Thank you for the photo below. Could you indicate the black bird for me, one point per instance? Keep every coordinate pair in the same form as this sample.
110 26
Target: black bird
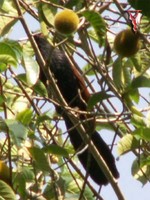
74 91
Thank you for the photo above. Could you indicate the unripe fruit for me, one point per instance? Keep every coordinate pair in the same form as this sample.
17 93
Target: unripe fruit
66 22
54 159
126 43
4 172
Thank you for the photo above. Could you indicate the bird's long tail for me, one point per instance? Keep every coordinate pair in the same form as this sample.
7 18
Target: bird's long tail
86 158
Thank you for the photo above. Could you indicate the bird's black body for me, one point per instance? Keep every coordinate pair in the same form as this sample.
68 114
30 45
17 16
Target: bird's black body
69 84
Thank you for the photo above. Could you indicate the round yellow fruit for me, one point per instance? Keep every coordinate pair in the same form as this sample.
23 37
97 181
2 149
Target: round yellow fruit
4 172
54 159
126 43
66 22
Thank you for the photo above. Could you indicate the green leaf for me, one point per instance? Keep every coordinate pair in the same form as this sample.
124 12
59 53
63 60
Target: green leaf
6 59
50 189
102 126
97 22
143 61
6 192
117 72
49 12
32 69
42 118
22 77
20 184
141 81
57 150
147 120
137 121
145 161
72 3
40 159
93 35
141 169
3 66
16 103
143 133
27 174
136 60
121 74
128 98
127 143
10 53
3 126
25 116
88 70
8 6
21 178
143 28
2 99
15 46
97 98
134 94
144 6
8 25
136 111
18 131
130 95
74 191
40 89
126 76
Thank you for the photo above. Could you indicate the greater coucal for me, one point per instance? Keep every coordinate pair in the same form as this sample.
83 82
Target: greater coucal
74 91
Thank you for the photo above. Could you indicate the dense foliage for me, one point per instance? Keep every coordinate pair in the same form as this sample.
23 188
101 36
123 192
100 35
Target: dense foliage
33 140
